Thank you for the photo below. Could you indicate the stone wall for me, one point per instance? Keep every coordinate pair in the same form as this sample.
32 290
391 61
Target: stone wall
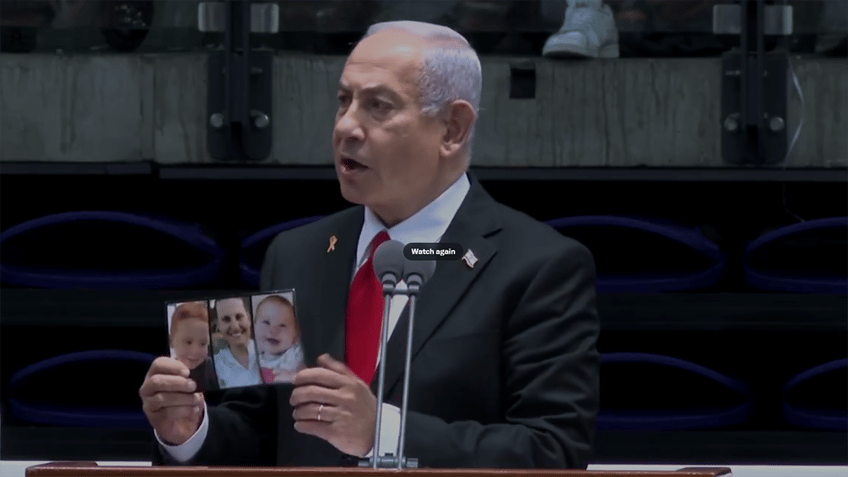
616 113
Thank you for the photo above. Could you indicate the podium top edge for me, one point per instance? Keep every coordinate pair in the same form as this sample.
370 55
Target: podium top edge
82 469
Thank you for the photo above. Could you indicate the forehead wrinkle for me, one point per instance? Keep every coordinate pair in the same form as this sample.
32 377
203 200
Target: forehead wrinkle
403 57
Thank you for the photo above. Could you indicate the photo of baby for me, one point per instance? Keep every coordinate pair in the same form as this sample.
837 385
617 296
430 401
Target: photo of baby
188 325
277 336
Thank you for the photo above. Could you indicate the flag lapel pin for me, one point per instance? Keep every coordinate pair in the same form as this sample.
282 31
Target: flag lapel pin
470 259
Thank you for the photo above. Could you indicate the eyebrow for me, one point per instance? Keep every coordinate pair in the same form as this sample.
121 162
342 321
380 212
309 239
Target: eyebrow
380 88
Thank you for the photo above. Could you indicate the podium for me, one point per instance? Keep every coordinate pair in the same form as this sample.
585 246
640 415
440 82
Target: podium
91 469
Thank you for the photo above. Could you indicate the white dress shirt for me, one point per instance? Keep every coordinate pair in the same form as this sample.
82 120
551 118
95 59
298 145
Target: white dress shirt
427 225
231 374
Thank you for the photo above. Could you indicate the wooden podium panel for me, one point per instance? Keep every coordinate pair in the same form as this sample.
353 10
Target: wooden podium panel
91 469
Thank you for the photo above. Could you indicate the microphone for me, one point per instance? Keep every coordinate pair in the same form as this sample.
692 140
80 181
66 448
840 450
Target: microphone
389 265
389 262
416 273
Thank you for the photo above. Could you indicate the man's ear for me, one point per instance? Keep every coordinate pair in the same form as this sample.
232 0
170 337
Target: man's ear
459 119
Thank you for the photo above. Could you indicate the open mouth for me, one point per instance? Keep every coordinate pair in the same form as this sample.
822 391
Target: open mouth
273 342
349 165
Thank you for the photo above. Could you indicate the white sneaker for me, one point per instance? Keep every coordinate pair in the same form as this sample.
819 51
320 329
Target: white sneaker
588 31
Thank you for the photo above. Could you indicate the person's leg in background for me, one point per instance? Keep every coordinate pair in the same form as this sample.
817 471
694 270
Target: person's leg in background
588 31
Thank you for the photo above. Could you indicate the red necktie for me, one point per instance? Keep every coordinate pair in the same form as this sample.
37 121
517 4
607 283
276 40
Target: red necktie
365 317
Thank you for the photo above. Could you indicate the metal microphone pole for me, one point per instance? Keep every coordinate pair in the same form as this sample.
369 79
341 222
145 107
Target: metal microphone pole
412 293
388 293
415 275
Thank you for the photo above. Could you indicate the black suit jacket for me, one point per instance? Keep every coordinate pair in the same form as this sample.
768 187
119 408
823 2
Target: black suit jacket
504 369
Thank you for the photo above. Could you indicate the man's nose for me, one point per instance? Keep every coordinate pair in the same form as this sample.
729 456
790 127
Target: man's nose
348 127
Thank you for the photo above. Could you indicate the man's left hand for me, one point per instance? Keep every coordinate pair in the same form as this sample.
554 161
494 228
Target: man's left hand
347 407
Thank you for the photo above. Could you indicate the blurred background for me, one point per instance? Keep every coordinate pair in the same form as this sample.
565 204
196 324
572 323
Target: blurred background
150 150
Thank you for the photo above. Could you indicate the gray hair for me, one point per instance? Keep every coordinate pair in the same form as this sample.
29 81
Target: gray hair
450 71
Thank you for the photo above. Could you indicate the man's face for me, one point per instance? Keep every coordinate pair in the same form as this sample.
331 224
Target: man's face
386 152
233 321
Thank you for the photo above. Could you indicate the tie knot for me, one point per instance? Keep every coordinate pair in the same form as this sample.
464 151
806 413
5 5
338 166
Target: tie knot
378 240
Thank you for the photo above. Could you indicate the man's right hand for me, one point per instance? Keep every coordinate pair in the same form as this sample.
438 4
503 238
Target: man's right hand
173 408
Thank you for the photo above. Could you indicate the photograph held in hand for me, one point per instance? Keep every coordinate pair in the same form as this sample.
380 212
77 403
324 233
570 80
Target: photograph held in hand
237 341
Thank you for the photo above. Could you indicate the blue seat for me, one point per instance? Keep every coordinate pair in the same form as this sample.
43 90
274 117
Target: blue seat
56 413
682 417
821 416
95 235
806 257
253 248
684 258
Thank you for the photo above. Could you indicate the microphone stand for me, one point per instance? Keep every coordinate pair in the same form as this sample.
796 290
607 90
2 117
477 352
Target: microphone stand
377 461
412 292
389 291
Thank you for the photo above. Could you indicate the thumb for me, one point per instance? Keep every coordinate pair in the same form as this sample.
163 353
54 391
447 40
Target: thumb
328 362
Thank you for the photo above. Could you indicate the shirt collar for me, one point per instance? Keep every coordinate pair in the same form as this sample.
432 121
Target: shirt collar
426 225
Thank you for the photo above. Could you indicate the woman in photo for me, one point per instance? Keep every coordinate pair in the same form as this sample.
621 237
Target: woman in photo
237 364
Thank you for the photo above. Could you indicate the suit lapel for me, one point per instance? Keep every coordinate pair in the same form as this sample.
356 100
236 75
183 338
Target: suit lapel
322 279
326 279
475 220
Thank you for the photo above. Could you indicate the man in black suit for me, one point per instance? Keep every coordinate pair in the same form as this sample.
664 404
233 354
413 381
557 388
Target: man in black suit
504 367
